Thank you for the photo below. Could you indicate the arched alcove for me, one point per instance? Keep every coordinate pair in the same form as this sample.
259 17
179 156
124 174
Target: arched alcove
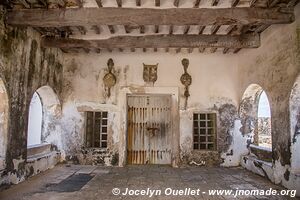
34 135
4 109
44 112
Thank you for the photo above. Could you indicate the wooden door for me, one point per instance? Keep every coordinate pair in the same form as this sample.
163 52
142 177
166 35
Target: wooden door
149 129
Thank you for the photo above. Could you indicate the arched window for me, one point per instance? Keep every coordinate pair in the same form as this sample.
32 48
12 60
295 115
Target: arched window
255 113
34 136
43 119
3 123
264 121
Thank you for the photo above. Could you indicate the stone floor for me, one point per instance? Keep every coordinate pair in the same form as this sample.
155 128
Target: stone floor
90 182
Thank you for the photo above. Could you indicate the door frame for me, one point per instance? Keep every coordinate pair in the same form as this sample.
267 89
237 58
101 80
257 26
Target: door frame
129 91
171 121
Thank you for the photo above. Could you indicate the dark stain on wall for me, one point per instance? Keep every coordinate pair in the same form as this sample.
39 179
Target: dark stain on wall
287 175
227 116
23 73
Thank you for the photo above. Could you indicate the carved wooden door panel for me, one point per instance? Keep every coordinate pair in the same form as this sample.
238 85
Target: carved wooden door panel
149 129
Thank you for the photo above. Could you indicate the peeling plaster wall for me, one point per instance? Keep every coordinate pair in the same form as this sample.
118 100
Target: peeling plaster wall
275 66
24 67
214 89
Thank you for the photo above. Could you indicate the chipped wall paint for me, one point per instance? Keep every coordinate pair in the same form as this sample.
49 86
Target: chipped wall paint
275 66
84 91
24 67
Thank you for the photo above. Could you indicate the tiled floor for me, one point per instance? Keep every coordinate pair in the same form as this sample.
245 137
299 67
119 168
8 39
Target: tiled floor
90 182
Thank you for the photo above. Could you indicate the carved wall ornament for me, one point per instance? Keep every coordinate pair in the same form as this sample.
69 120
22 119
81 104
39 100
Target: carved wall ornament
150 73
186 80
109 79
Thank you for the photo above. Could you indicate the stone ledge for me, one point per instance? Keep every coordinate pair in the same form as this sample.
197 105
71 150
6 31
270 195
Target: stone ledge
262 153
39 149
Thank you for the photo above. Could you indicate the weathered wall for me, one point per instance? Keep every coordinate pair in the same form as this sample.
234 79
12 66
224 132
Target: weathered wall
275 66
24 67
213 89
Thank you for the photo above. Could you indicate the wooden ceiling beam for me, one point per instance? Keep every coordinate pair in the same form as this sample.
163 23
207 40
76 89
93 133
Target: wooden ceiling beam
252 3
225 50
142 29
157 3
119 3
24 3
111 29
176 3
186 30
138 3
156 29
214 29
147 16
213 49
201 49
127 29
79 3
96 29
159 41
171 29
201 29
236 50
197 3
234 3
215 2
99 3
81 29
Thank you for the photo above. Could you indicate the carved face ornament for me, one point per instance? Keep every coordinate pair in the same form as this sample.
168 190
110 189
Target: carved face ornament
150 73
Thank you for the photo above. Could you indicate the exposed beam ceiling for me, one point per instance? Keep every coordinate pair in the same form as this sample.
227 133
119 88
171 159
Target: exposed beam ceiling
144 16
159 41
